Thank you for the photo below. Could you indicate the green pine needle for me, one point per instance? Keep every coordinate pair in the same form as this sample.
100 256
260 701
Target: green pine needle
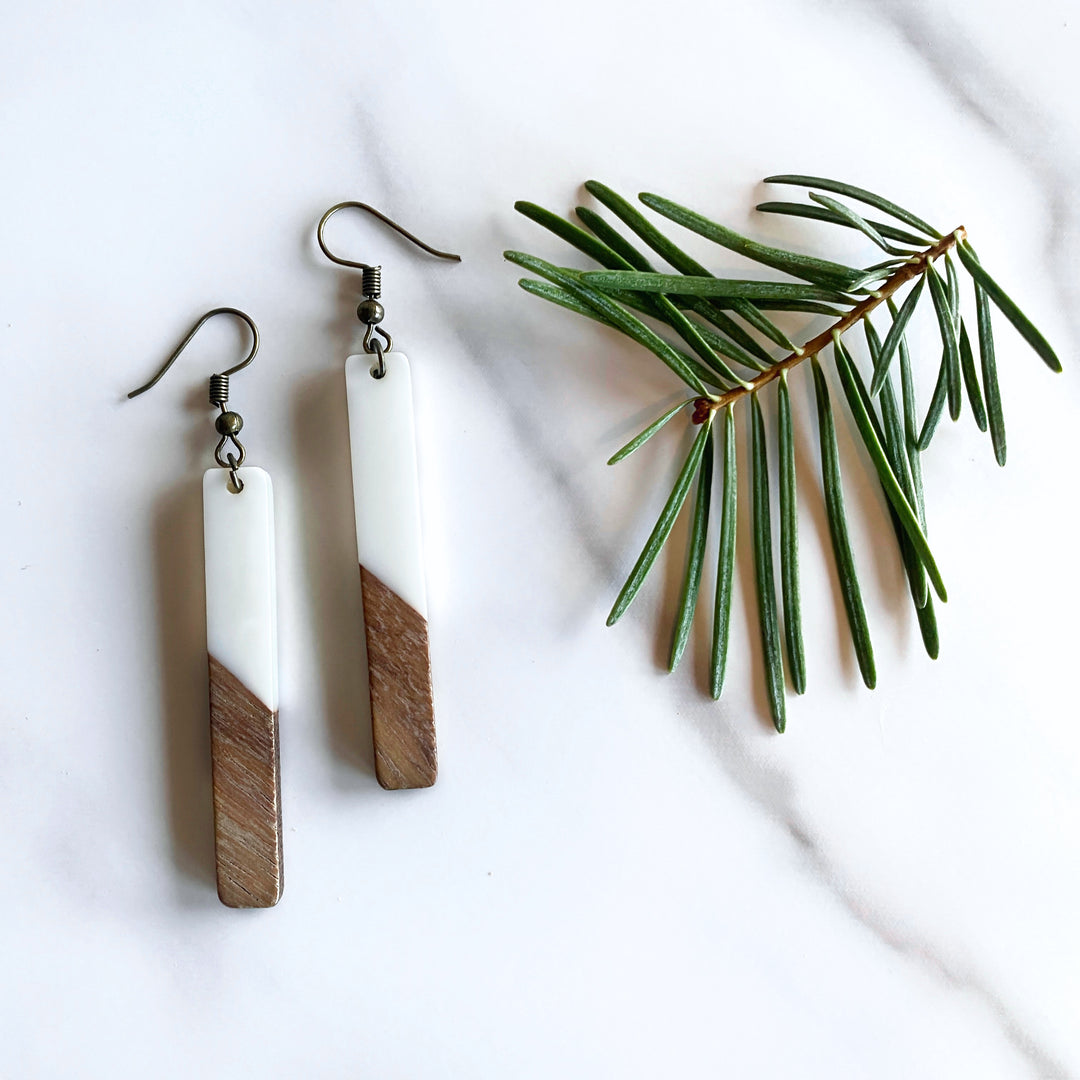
662 528
764 578
952 290
894 336
838 531
725 572
789 541
1007 307
936 408
928 628
857 221
634 280
989 374
644 436
695 556
971 379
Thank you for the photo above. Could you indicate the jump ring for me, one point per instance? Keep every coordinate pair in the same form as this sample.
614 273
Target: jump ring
379 370
237 483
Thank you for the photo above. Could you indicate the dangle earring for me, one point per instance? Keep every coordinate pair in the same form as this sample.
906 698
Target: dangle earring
241 641
386 499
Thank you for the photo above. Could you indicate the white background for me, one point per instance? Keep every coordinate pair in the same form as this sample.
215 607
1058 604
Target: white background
614 876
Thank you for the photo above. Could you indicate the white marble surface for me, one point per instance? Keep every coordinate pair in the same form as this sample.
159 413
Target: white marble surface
614 876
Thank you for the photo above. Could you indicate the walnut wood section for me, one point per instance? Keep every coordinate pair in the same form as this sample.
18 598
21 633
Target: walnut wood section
399 671
247 793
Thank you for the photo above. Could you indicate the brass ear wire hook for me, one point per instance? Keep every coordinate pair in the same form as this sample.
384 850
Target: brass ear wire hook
228 423
370 311
192 332
386 221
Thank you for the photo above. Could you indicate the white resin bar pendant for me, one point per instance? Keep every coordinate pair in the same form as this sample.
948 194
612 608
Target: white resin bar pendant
241 639
386 496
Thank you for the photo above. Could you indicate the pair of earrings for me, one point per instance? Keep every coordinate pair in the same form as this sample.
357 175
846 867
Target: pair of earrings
241 607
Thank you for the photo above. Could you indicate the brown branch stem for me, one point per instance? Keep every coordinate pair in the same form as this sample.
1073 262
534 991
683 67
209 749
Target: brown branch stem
906 273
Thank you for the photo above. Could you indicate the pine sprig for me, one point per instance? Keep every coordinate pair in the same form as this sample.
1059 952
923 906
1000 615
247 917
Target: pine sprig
721 324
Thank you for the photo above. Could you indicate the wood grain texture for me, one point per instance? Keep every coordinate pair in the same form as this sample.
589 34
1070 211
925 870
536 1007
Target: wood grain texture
247 793
399 672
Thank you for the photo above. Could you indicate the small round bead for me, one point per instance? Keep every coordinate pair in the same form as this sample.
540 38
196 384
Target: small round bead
370 312
229 423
